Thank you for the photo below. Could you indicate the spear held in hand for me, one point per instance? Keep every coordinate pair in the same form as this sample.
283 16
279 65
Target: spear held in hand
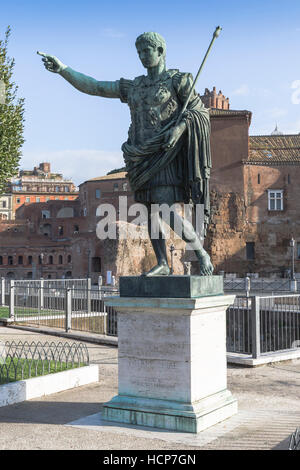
215 35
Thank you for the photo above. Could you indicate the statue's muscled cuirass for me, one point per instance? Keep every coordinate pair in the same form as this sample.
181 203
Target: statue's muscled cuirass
152 106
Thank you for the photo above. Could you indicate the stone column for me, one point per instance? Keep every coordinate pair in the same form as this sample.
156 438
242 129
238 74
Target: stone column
172 362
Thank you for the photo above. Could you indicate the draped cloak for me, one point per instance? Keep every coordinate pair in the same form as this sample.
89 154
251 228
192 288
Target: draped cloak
182 171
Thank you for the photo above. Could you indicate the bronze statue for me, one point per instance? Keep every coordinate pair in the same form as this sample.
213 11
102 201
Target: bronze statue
167 155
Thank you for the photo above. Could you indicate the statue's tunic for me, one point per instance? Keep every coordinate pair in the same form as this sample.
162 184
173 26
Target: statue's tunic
153 105
178 174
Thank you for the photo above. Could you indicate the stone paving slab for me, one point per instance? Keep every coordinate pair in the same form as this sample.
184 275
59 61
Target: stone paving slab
246 430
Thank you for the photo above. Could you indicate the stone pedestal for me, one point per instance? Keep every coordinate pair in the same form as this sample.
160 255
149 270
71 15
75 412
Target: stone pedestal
172 362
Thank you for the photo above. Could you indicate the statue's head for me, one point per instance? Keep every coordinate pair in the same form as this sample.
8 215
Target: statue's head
151 48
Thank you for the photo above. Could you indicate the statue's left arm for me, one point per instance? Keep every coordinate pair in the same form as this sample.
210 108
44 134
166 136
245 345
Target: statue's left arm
182 83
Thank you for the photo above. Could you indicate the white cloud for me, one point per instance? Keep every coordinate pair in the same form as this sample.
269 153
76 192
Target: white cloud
112 33
292 127
275 113
243 90
296 94
79 165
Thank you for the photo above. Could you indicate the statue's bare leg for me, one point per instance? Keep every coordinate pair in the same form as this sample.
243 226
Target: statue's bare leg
186 231
158 244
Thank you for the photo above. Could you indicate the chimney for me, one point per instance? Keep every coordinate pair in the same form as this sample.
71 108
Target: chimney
211 99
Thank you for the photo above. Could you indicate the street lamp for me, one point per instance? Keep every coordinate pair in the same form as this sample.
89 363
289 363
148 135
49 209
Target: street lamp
89 263
293 286
42 257
292 245
172 249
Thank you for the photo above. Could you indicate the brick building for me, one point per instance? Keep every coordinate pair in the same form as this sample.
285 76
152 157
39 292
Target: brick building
212 99
254 199
39 185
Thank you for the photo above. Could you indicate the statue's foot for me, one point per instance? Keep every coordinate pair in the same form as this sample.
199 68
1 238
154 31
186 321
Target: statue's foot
206 267
159 270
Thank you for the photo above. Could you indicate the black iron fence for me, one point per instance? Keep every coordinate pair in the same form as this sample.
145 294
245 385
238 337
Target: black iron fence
263 324
23 360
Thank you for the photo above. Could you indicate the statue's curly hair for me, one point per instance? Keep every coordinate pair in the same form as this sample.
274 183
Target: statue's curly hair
155 39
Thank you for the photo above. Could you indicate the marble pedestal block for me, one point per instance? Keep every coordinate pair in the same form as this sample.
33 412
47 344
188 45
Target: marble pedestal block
172 363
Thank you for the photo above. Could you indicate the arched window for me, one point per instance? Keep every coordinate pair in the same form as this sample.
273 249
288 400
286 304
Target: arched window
45 214
29 275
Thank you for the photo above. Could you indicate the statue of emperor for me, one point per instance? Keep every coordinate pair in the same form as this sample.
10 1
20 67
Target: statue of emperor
166 162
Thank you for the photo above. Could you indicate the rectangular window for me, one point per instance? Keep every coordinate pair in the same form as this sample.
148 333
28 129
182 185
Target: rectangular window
96 264
28 199
4 204
98 193
250 250
275 199
38 199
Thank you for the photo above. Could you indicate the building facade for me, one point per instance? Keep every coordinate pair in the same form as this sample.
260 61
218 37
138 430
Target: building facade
39 185
254 212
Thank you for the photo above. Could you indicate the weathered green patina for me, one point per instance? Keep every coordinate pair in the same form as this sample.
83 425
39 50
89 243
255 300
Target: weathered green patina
167 161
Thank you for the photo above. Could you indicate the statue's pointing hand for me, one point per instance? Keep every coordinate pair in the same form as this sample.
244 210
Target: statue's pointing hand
51 63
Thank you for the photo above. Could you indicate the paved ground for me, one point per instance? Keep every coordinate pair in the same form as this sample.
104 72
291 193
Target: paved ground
268 397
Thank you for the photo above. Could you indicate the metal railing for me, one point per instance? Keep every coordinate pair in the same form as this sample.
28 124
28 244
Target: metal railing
62 307
255 324
23 360
259 285
263 324
294 443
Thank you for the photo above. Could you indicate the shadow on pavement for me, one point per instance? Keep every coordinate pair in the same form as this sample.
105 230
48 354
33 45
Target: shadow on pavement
47 412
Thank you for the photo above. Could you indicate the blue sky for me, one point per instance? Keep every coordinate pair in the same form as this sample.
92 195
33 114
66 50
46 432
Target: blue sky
255 62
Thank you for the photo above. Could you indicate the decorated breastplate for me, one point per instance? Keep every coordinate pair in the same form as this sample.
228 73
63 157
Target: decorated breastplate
152 106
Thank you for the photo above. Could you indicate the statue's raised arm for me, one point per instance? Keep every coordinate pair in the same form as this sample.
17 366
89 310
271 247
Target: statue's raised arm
82 82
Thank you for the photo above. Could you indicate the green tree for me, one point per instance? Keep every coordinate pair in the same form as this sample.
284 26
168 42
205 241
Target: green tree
11 118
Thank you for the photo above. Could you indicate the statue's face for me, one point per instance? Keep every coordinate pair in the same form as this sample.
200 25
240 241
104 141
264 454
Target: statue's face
149 55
